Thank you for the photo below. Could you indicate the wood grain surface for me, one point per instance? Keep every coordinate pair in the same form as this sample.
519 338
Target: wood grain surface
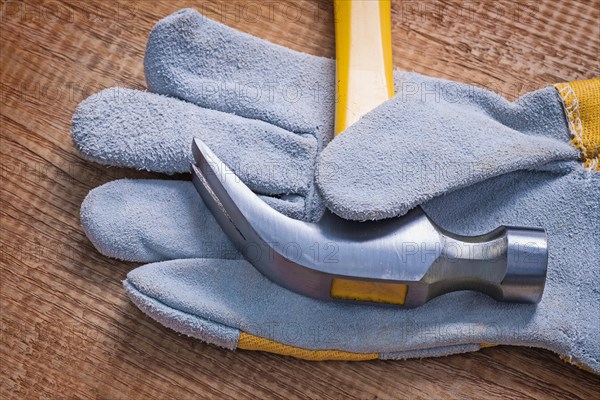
67 328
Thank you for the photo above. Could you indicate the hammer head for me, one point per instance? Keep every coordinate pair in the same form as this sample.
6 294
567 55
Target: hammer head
402 261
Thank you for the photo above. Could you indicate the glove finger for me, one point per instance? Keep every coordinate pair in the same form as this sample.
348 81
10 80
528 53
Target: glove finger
193 58
148 220
234 299
412 149
141 130
152 220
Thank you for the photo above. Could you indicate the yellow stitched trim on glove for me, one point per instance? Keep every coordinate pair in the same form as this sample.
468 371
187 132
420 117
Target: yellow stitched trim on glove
248 341
582 105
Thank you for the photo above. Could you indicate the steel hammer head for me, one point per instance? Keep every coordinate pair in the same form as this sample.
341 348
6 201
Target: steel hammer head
404 261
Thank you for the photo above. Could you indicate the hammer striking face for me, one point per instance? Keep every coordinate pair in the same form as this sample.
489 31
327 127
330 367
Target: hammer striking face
403 261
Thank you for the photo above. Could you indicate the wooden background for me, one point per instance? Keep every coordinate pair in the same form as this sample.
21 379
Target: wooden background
69 331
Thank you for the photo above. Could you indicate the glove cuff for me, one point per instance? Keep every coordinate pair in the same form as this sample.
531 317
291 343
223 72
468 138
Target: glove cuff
581 100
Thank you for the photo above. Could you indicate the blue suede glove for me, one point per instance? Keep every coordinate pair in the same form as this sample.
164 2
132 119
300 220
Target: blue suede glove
503 164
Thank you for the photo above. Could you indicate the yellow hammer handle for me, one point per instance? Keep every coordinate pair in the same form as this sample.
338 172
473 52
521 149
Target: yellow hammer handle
363 46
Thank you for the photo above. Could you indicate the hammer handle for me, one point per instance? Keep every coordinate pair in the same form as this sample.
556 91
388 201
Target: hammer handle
363 45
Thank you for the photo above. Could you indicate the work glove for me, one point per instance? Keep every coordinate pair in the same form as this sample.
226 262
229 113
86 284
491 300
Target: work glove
198 285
